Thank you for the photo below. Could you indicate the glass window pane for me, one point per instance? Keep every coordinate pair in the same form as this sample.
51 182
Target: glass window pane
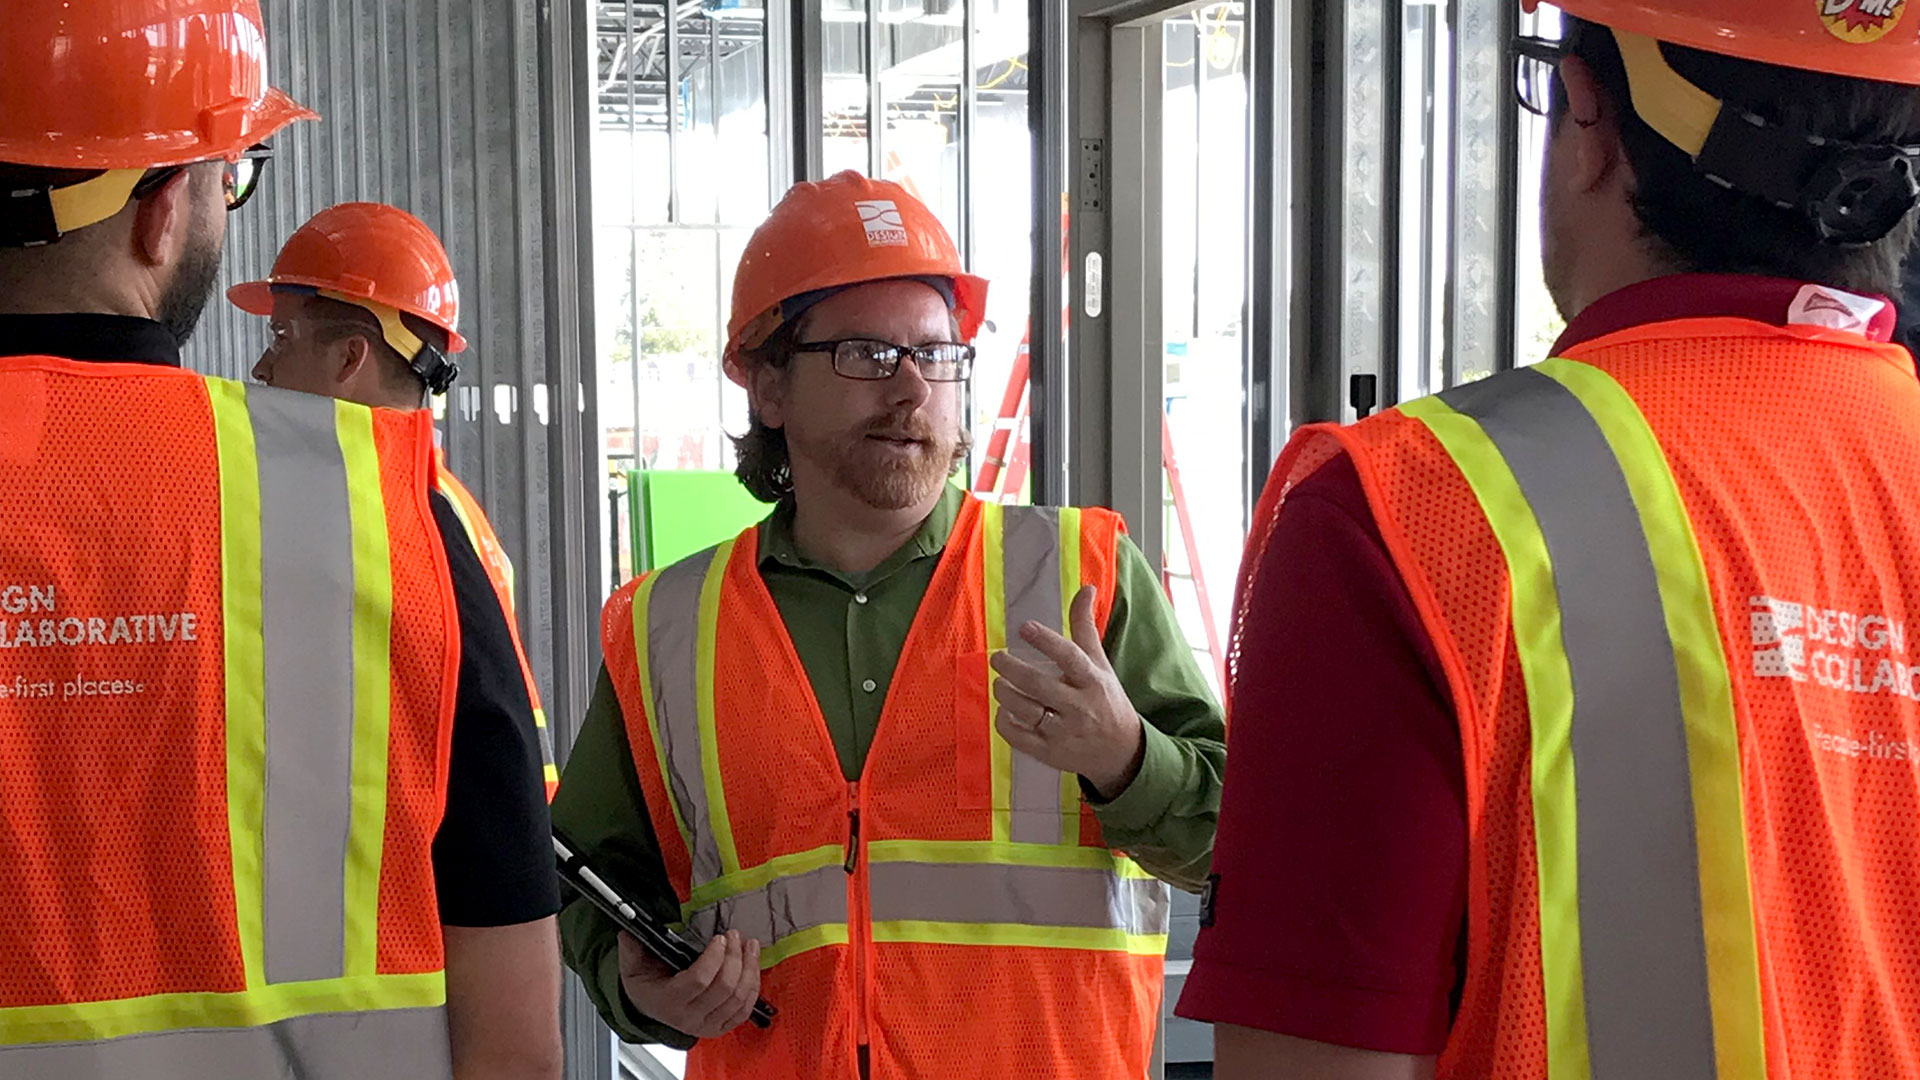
1424 195
1204 126
722 107
663 280
844 123
920 143
921 61
677 399
733 399
613 310
741 174
1001 192
1538 321
631 114
697 104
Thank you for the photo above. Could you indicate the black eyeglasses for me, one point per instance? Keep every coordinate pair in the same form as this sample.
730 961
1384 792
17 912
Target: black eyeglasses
1536 62
872 361
241 180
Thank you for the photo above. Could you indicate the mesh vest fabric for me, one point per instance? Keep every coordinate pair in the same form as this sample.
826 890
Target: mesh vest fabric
145 790
913 954
1788 448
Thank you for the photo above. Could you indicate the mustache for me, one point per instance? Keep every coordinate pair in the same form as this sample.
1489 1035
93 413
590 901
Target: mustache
903 426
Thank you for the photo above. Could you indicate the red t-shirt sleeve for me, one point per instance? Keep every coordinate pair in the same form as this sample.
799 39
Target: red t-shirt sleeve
1341 859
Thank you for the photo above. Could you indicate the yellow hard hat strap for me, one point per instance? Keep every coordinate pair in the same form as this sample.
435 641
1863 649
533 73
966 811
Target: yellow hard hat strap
1680 112
1850 194
432 365
404 341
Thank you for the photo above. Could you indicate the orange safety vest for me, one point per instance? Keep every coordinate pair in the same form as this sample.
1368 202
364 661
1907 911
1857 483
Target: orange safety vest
227 655
1669 577
499 571
952 914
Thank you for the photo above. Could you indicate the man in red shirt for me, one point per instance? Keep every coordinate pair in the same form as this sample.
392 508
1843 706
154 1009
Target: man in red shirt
1335 939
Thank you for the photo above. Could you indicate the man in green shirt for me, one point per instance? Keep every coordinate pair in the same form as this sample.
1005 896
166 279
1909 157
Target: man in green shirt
854 446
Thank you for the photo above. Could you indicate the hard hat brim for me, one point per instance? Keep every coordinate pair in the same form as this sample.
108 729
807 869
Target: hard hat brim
252 297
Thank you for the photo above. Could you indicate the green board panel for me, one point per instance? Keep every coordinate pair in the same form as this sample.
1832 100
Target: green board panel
677 513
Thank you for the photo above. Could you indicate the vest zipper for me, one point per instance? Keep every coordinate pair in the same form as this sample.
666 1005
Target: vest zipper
853 829
859 928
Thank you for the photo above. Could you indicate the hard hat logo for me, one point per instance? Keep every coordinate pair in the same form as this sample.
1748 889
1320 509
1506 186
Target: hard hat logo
885 226
1861 22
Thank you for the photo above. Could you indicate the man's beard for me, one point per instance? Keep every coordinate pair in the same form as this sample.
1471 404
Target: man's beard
880 477
192 287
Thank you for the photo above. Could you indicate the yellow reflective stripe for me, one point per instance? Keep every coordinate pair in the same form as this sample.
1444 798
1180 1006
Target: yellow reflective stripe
242 628
758 877
814 937
93 1021
372 686
1706 700
1549 688
642 596
1092 939
1069 588
993 555
705 653
550 771
444 481
1072 857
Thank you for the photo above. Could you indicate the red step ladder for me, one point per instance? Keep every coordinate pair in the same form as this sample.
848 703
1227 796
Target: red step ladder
1003 475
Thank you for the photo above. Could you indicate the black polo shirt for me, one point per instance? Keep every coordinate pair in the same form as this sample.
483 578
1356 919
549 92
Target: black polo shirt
492 859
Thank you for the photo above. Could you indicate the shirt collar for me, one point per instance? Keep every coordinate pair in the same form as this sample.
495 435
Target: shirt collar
1774 301
777 544
116 339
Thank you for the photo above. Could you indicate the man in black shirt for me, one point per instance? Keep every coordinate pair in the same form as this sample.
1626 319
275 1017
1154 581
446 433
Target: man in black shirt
130 288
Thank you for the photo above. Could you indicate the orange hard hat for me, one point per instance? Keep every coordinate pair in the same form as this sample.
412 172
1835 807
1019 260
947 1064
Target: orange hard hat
365 253
1862 39
845 230
135 84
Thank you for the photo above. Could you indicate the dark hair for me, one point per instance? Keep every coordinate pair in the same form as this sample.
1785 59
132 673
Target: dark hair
1703 227
13 177
764 467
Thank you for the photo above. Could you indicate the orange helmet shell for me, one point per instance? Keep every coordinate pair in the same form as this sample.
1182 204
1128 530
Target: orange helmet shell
135 84
1861 39
845 230
369 251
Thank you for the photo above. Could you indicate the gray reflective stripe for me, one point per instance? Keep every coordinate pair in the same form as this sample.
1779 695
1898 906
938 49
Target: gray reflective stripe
401 1044
1031 579
1149 907
307 594
1019 895
785 906
1643 949
673 653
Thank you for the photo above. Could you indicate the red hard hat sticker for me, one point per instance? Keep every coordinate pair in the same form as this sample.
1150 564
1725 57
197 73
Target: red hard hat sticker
1861 22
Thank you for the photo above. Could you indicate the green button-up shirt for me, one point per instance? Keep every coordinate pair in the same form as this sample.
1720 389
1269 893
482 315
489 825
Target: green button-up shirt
849 630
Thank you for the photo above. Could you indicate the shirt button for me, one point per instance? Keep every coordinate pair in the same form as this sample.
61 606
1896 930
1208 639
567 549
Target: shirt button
859 598
869 686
